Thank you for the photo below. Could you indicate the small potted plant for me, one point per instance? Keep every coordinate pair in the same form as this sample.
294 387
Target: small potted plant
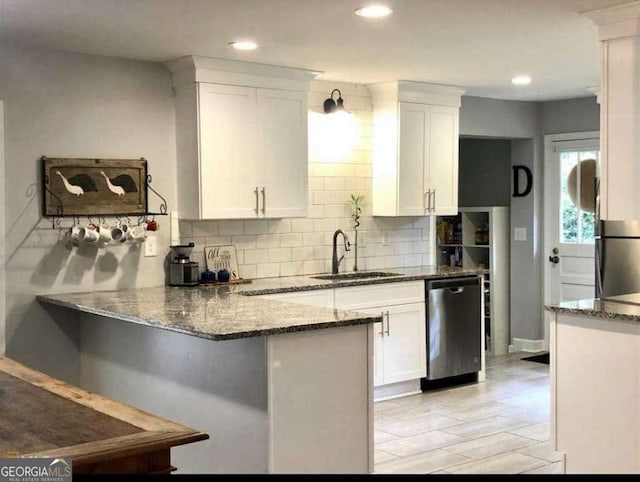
356 201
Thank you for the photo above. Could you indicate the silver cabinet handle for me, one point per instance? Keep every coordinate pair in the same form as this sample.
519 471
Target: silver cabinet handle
382 325
257 201
264 200
388 327
427 196
433 206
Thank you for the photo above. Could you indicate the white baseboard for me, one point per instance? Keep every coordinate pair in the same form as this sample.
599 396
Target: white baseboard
396 390
522 344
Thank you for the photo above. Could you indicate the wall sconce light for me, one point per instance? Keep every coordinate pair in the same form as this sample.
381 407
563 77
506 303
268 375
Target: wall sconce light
331 106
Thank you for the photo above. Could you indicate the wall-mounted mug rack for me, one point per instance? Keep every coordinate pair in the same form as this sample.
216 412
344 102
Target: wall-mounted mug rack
74 187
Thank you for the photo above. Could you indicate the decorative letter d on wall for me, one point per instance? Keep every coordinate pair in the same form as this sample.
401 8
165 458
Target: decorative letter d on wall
516 181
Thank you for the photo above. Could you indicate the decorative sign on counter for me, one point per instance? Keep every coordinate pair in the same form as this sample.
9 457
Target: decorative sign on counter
94 186
222 257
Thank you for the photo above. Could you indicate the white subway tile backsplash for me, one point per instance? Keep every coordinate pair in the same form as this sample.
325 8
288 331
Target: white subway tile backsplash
325 252
325 224
316 183
256 226
267 241
291 240
293 268
334 210
403 248
316 211
420 247
279 255
302 225
217 240
244 242
255 256
315 266
248 271
313 239
323 197
393 262
412 260
384 250
334 184
376 262
302 254
268 270
186 228
230 227
279 226
204 228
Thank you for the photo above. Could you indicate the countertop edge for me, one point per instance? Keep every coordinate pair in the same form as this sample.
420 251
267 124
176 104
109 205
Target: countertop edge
590 313
357 320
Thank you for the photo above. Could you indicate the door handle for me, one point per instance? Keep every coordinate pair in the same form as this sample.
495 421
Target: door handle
264 200
382 325
554 259
388 327
257 201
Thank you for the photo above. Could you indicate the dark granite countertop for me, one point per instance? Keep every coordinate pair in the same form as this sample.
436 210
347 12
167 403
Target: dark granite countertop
621 308
234 311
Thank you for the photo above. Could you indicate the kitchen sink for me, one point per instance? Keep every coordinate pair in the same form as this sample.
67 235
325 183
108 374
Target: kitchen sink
353 276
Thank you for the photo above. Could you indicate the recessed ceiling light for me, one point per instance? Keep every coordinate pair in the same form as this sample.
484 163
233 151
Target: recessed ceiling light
521 80
244 45
374 11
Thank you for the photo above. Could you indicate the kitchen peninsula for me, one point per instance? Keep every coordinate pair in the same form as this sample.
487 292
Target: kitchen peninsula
285 386
595 384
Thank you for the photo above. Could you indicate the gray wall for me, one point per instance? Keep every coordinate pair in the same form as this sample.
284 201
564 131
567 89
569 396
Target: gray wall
485 172
571 115
527 122
68 105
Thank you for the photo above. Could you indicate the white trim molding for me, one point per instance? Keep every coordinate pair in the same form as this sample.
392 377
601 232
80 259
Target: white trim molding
530 346
616 21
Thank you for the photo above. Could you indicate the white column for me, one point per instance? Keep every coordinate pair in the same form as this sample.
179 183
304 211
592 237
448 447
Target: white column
619 32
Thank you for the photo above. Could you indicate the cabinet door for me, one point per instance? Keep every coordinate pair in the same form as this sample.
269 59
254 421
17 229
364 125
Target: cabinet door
413 145
282 118
229 166
442 172
405 343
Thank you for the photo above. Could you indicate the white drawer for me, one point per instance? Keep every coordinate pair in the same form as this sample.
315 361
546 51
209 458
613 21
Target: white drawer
379 295
323 298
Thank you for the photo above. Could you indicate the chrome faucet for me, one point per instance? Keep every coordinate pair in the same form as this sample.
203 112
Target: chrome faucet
335 262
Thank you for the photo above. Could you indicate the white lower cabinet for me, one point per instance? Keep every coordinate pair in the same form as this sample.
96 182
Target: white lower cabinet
400 347
400 340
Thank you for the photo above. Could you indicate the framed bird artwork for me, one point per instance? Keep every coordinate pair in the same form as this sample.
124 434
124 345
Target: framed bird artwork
78 187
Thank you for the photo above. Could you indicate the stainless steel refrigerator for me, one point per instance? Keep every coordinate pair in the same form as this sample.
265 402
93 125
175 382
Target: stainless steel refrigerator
617 258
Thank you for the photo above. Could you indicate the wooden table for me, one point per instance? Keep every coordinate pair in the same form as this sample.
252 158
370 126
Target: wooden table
44 417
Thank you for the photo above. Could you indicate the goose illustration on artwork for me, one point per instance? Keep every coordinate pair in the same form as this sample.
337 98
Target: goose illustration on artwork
78 184
121 184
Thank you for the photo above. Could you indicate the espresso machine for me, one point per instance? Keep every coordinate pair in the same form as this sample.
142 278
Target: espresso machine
183 271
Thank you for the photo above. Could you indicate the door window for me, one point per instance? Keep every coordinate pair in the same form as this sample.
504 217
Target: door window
577 226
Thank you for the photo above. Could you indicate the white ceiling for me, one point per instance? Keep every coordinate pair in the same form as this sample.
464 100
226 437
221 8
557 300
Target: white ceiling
477 44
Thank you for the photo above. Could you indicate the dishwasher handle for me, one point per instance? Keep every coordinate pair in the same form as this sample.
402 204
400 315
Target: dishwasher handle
456 291
453 283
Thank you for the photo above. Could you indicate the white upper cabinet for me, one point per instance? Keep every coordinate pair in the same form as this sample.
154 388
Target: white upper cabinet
241 139
415 149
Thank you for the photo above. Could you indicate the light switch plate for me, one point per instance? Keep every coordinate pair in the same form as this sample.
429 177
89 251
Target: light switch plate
520 234
151 246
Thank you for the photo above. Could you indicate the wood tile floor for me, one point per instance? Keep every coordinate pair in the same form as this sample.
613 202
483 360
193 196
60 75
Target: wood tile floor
500 426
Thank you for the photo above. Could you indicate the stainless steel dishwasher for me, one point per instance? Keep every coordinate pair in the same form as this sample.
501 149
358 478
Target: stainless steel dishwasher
454 340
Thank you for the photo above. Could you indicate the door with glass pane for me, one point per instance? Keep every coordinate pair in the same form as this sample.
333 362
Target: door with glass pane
570 219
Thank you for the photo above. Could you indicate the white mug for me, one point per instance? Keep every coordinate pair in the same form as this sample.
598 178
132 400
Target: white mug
91 235
104 232
119 233
138 233
76 234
